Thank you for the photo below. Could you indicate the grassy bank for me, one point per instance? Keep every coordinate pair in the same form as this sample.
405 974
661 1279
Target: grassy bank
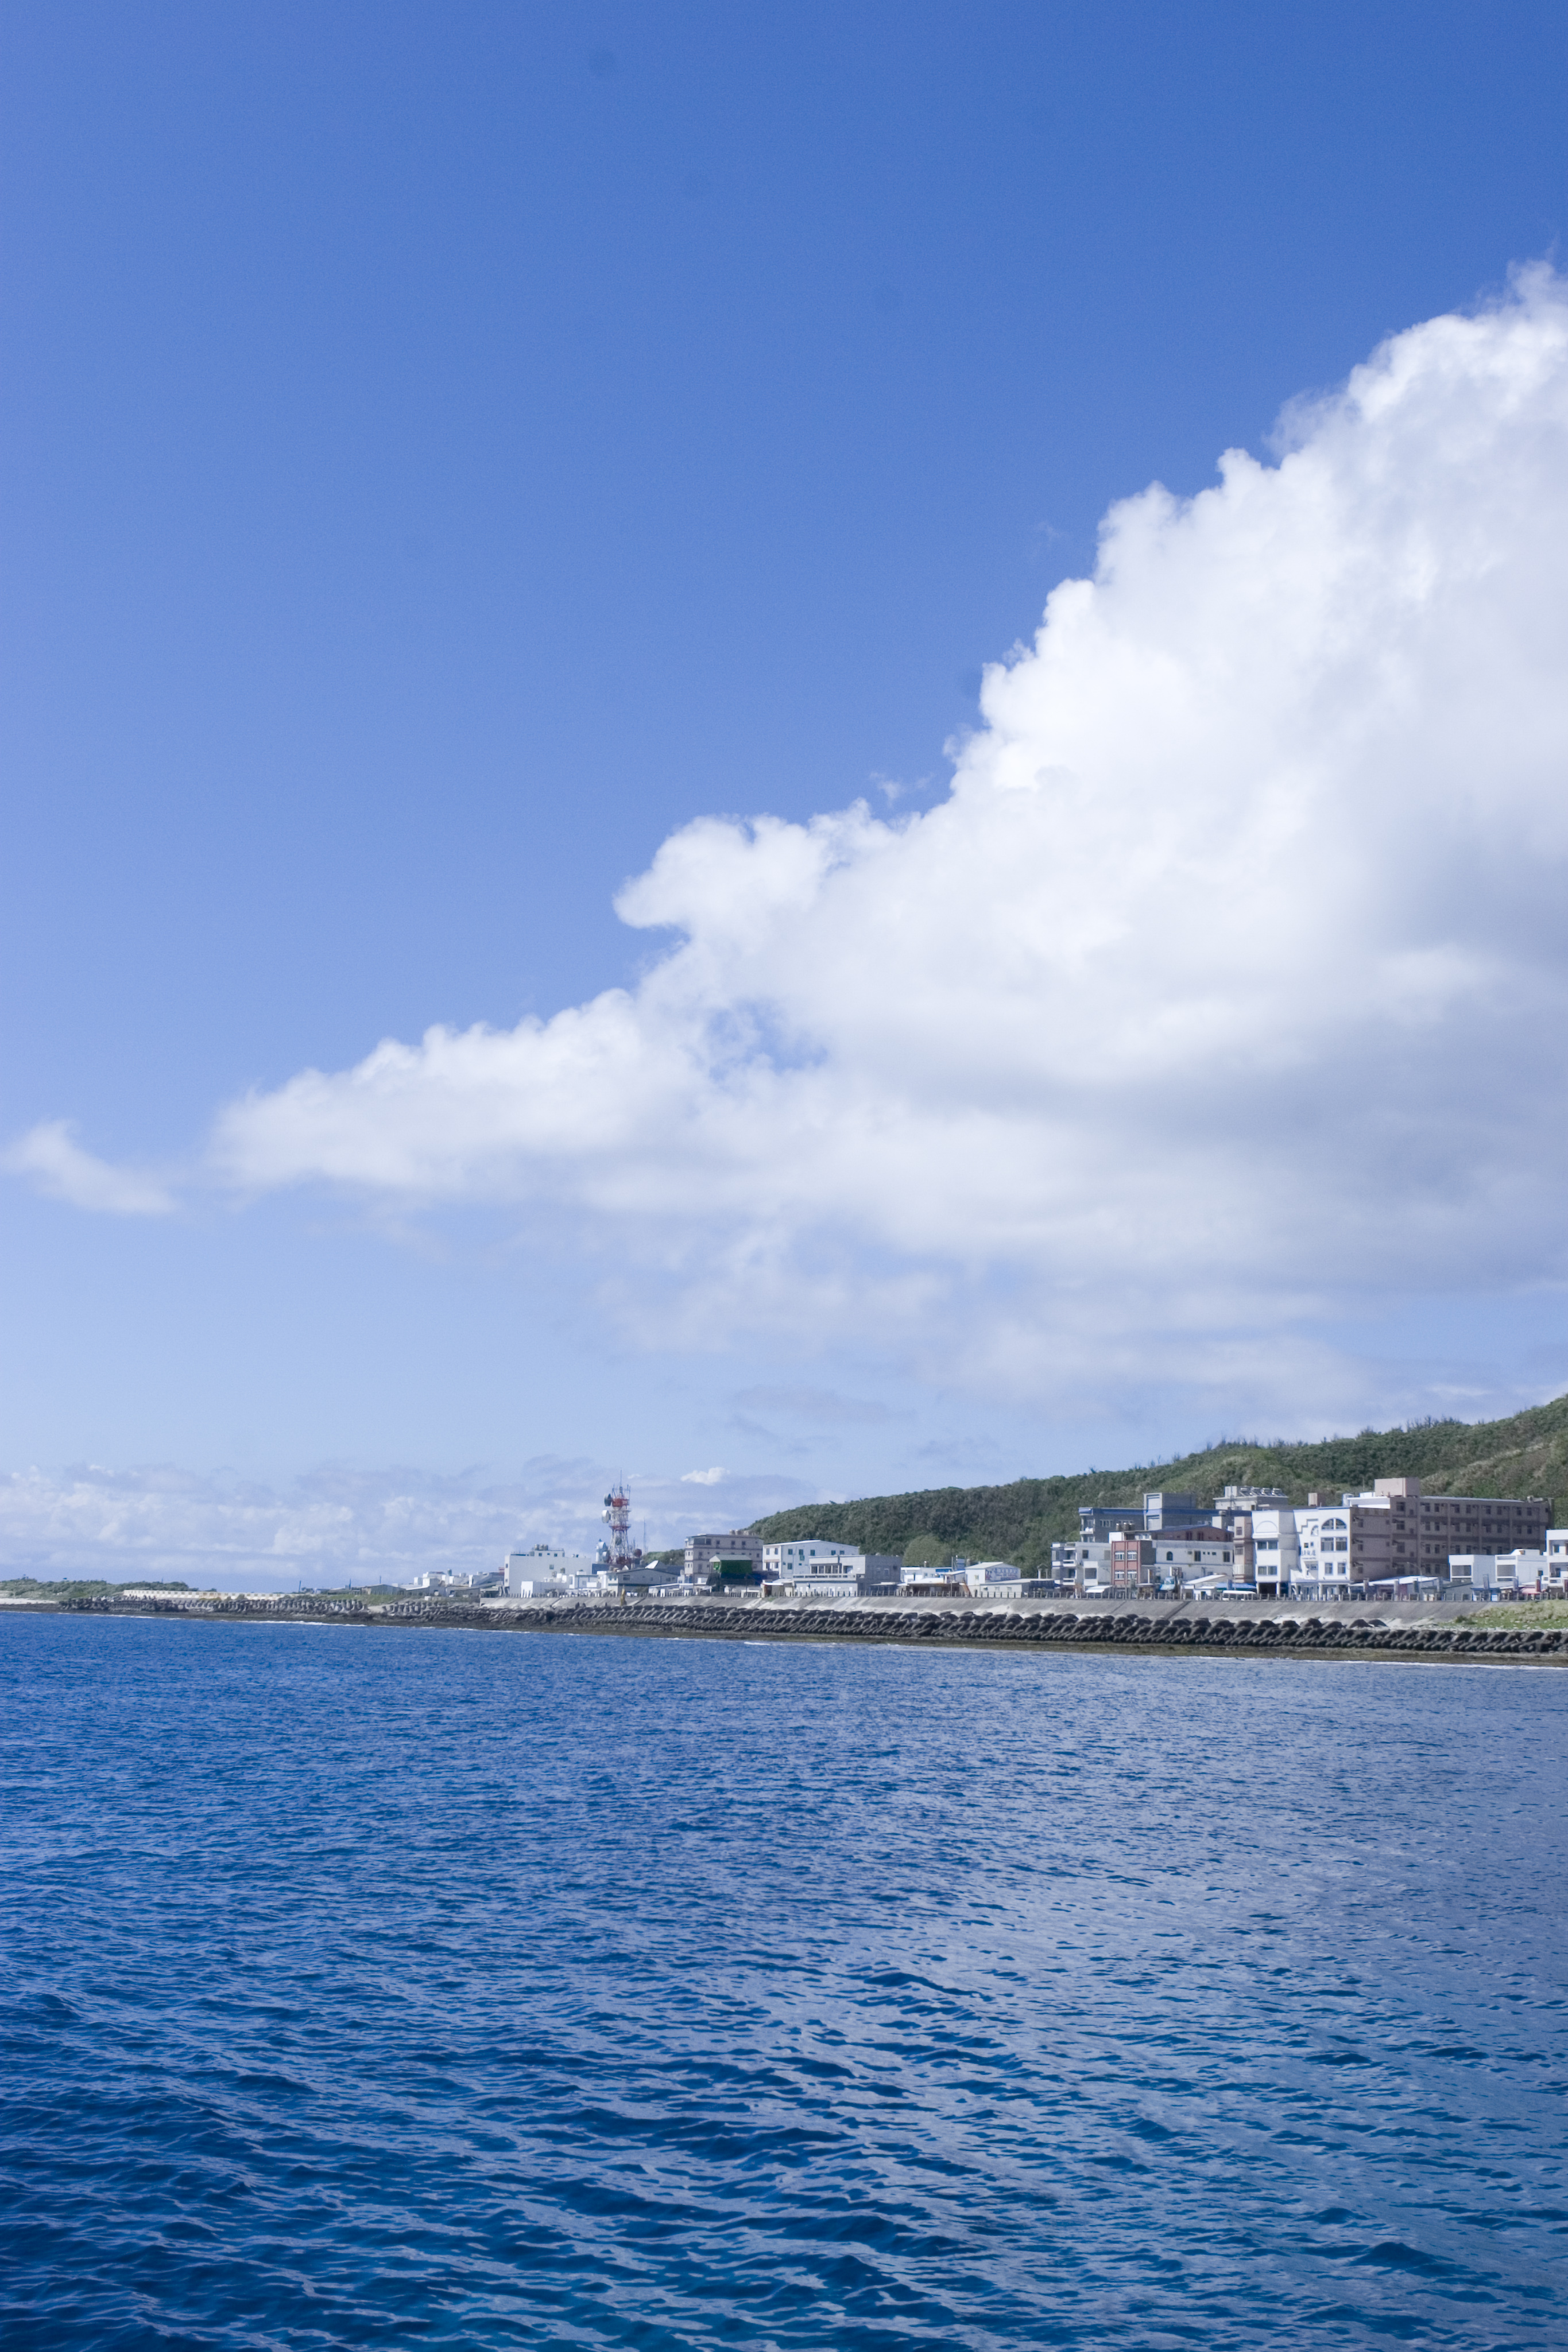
1505 1616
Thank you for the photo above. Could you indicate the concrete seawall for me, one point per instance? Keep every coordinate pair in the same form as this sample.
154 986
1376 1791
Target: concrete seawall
1246 1629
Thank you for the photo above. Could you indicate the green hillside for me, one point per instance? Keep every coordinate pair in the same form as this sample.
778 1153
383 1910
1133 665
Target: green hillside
80 1587
1525 1456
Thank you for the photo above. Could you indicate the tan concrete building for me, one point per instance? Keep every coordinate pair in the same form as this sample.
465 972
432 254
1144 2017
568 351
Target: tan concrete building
1423 1530
703 1550
1348 1543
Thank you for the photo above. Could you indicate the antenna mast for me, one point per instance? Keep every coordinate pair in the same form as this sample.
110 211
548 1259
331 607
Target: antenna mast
618 1519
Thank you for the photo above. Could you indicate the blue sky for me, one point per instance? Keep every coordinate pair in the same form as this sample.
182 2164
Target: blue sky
445 455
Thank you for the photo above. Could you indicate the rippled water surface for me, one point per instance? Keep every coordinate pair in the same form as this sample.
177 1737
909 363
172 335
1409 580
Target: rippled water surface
382 1988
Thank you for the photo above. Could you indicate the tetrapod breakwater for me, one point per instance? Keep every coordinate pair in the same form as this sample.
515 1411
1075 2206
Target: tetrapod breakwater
1179 1629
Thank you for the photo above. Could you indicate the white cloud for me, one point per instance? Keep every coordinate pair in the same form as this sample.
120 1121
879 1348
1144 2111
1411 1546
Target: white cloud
794 1401
701 1478
1228 983
56 1163
333 1526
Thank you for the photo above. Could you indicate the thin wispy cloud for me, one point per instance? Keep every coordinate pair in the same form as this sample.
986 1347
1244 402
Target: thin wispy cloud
51 1160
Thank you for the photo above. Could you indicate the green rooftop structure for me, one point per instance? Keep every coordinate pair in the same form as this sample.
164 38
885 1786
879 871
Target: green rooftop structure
728 1573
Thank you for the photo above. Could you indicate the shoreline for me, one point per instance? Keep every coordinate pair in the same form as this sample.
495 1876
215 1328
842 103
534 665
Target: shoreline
1182 1628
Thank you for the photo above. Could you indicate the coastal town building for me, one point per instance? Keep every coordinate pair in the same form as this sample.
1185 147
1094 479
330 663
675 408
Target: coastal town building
1187 1556
1389 1541
1129 1561
1426 1528
639 1575
993 1580
830 1570
1084 1566
1390 1538
473 1583
1237 1511
1325 1537
703 1550
810 1565
727 1574
1336 1545
1155 1513
1394 1533
1276 1552
1508 1575
1243 1502
528 1575
1347 1545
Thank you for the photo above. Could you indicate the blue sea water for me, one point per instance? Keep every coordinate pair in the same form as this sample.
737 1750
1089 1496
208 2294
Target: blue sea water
369 1989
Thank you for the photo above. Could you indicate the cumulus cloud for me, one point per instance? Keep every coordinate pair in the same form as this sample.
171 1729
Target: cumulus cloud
701 1478
1227 983
50 1156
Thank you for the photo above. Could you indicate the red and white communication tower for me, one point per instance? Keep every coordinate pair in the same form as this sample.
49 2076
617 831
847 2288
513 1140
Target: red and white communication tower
618 1520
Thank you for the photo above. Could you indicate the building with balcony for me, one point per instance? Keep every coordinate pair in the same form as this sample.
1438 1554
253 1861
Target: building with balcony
830 1570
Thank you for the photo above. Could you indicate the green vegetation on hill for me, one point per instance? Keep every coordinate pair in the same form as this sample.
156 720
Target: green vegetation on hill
1527 1455
80 1587
94 1588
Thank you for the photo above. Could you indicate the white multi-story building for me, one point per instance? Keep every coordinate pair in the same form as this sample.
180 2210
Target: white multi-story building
1555 1545
830 1570
474 1582
1082 1564
994 1580
527 1574
1182 1555
1276 1552
933 1580
1324 1543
